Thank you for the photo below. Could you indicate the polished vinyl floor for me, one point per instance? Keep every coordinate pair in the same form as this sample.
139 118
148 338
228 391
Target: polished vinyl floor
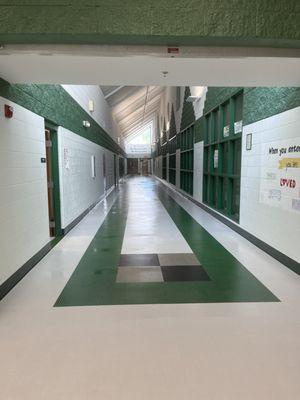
150 297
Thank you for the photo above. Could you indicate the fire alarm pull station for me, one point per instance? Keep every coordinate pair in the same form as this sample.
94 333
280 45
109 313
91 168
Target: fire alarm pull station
8 111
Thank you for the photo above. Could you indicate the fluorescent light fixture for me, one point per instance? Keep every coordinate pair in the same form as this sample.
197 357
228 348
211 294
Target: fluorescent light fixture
91 106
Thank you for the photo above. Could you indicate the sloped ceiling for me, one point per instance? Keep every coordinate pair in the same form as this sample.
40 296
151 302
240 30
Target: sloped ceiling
133 106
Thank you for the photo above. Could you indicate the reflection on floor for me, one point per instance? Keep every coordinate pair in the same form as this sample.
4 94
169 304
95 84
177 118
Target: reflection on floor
242 348
149 229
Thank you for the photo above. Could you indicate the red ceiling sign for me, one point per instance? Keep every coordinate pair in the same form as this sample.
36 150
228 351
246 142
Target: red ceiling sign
173 50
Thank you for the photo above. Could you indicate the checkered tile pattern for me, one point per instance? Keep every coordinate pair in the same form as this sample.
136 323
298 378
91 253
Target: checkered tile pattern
176 267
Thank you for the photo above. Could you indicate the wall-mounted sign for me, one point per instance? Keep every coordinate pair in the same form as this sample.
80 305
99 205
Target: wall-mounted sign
173 50
226 131
216 158
8 111
289 163
280 172
93 167
238 127
275 194
138 148
249 141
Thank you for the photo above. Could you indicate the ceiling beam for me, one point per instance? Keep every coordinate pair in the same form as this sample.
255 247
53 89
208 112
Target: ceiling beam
136 100
138 118
137 124
126 114
138 132
113 92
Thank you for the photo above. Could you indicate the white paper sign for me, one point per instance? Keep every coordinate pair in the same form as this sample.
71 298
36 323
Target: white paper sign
226 131
216 158
280 173
249 141
93 167
238 127
138 148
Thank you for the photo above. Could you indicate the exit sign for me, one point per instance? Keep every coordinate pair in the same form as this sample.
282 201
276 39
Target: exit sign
173 50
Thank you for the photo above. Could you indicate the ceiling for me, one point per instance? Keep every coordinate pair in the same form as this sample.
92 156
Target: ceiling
133 106
139 66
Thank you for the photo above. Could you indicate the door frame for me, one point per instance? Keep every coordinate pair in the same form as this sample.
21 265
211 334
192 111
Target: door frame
55 176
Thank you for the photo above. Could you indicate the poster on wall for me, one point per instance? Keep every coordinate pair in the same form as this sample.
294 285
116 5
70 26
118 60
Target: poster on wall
238 127
226 131
280 183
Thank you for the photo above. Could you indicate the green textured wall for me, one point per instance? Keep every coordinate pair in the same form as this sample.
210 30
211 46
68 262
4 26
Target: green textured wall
54 104
259 103
216 96
189 22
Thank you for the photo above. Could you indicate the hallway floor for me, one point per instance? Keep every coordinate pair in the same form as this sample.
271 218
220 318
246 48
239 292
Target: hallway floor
150 297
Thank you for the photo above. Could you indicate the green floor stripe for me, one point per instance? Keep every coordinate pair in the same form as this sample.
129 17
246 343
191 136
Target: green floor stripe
230 278
93 281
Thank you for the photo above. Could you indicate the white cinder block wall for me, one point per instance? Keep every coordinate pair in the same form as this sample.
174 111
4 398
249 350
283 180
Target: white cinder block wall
78 189
198 171
102 113
269 209
24 220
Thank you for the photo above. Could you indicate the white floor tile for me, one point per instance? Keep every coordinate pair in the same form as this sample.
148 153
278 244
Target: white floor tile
229 351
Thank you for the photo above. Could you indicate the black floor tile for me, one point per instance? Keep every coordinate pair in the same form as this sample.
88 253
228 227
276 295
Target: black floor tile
184 273
138 260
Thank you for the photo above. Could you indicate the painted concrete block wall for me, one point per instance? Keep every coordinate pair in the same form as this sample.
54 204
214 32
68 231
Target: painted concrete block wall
198 171
136 22
24 220
102 113
78 189
270 191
